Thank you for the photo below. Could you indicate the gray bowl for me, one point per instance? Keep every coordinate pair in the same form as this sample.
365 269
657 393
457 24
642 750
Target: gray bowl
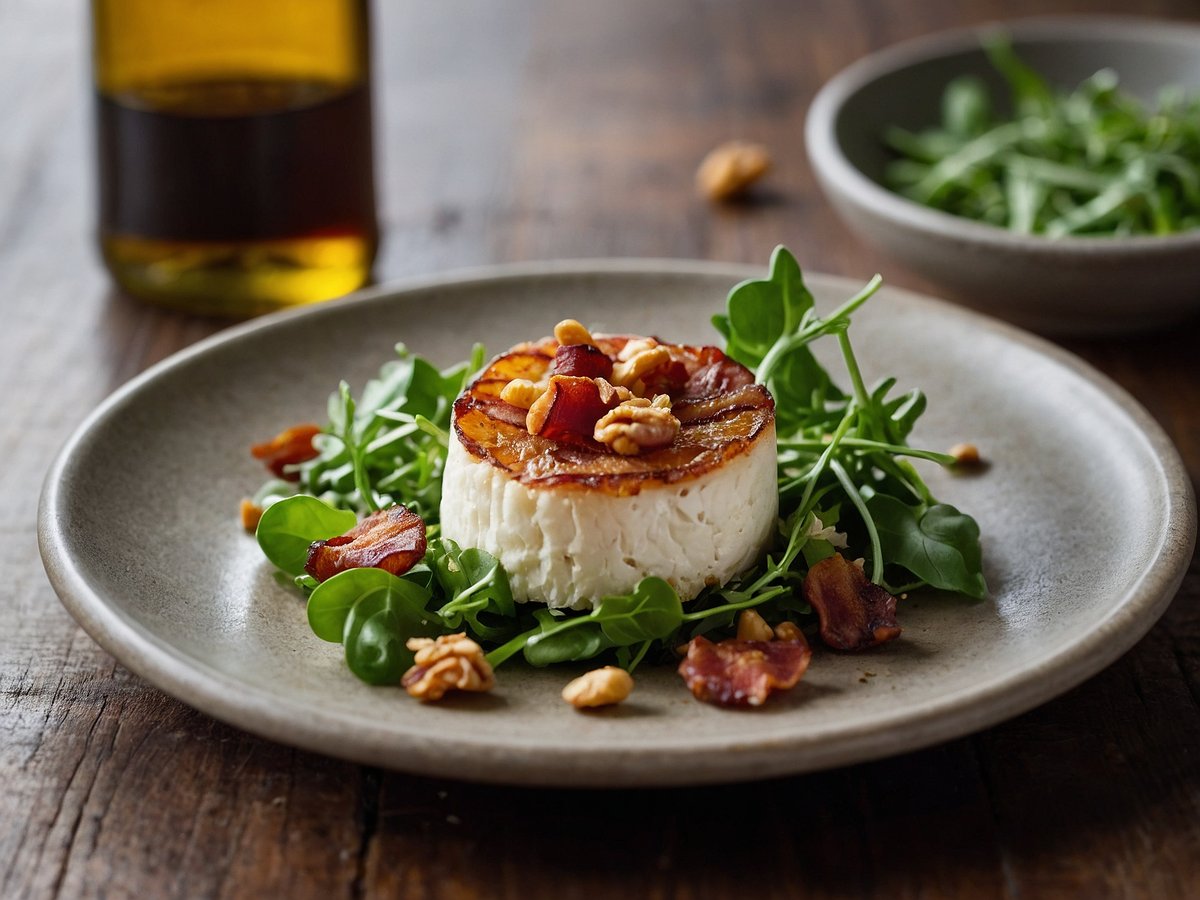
1072 285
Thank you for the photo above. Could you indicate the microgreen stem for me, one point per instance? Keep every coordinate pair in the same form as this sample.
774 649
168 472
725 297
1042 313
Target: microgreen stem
944 459
818 468
362 481
639 656
509 649
755 600
859 504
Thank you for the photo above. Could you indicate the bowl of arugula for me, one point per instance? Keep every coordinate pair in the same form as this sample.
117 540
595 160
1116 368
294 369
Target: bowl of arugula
1046 171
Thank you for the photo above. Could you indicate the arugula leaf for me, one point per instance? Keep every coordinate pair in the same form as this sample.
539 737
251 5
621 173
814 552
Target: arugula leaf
652 611
1031 93
378 613
288 527
389 446
557 640
375 636
966 107
1092 161
331 601
938 544
760 312
476 585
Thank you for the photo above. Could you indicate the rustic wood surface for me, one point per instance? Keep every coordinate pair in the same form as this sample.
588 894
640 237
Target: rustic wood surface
513 131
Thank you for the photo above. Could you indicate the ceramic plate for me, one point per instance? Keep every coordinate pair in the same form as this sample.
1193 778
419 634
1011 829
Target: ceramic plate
1087 516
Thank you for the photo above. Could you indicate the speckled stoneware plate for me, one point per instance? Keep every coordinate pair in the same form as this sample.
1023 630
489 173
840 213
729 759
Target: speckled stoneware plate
1087 514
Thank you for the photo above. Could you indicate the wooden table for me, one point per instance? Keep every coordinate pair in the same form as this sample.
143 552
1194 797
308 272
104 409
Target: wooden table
512 131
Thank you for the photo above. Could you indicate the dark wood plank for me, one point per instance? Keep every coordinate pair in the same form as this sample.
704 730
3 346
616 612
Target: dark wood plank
514 131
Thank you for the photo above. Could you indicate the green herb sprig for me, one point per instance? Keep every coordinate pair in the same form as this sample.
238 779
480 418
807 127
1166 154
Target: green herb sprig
390 446
1092 161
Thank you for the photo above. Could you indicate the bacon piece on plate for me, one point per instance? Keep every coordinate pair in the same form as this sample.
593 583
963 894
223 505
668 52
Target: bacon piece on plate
743 673
586 360
855 614
392 539
569 410
292 445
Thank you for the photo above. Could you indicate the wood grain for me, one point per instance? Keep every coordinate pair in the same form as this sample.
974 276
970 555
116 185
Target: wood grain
510 131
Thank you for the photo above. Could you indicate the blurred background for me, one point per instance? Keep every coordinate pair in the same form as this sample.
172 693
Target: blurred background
515 130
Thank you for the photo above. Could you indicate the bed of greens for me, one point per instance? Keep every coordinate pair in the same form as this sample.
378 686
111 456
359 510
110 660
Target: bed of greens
845 478
1092 161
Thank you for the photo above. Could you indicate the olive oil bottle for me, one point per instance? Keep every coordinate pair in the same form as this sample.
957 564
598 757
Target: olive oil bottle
235 150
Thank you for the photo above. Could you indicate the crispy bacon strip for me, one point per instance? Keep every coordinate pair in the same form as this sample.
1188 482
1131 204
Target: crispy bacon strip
292 445
586 360
569 410
392 539
855 614
743 673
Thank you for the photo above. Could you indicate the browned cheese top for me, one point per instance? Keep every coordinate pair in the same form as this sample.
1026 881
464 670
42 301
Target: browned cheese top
722 414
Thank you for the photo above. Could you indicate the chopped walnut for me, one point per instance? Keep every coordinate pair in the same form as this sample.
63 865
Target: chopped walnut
788 631
753 627
731 168
623 394
638 424
568 332
599 687
251 513
628 372
633 347
451 662
522 393
965 454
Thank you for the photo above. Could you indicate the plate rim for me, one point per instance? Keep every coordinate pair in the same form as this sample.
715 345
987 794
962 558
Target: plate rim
261 712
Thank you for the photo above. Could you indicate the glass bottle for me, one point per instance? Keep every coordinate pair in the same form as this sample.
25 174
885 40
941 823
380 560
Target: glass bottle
235 150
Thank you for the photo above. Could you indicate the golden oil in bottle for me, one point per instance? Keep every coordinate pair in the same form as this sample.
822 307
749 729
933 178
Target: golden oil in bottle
235 151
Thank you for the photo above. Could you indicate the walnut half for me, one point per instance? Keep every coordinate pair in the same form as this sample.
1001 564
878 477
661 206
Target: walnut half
451 662
638 424
731 168
599 687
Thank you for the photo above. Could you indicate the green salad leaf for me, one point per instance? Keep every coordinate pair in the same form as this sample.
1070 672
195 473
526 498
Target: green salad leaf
288 528
377 629
937 543
1090 161
478 591
373 613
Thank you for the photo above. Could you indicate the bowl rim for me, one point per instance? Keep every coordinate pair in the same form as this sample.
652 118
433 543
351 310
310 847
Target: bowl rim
840 176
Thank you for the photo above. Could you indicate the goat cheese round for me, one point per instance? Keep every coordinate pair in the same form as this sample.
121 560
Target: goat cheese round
572 521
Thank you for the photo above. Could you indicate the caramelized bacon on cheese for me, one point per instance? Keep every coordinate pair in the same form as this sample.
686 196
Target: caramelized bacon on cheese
569 409
722 412
586 360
